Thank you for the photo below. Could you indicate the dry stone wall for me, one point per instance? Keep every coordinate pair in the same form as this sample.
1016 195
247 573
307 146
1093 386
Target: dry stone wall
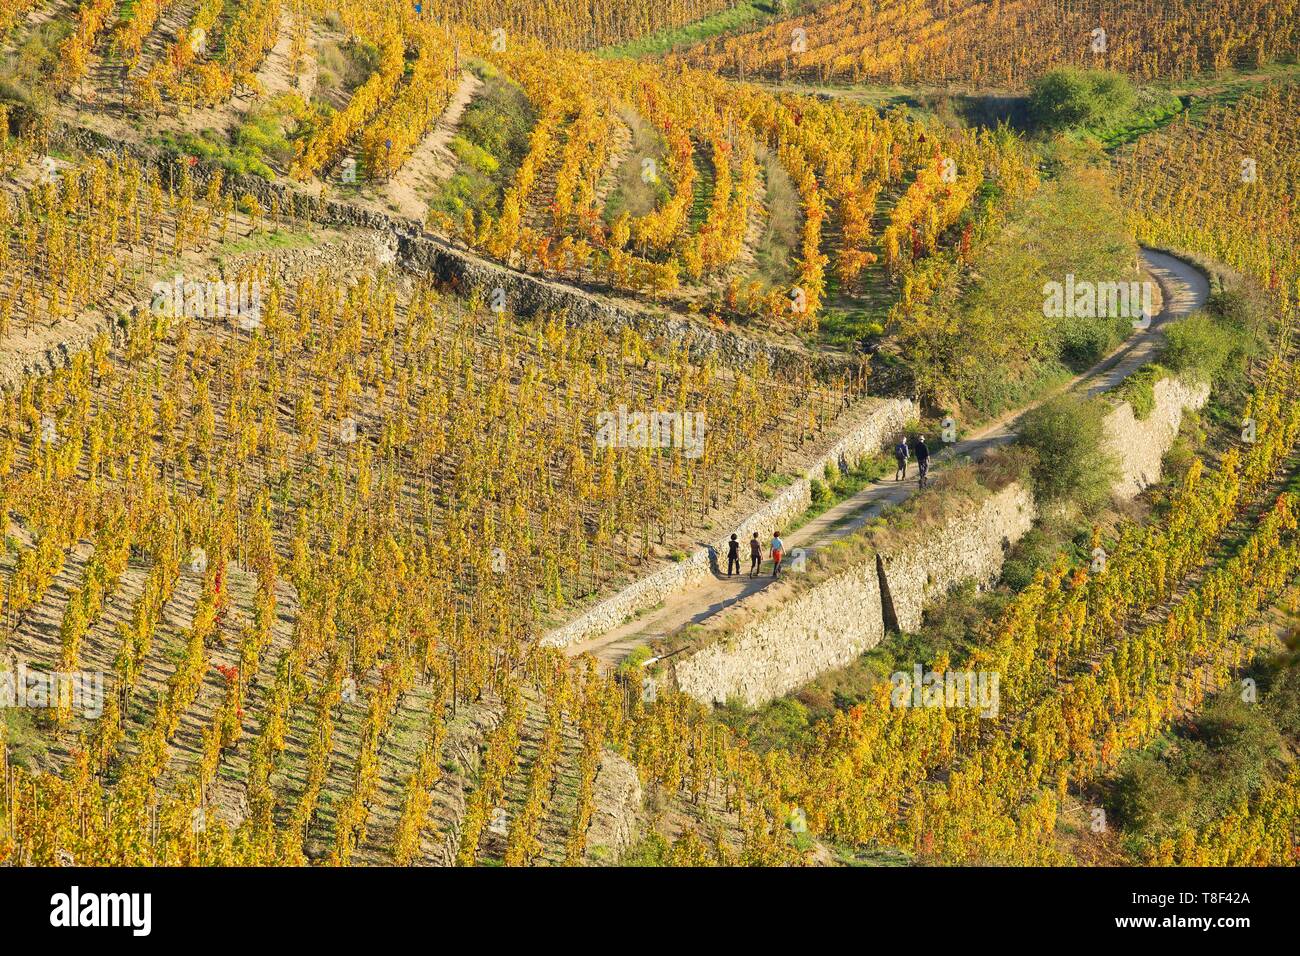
821 629
74 337
969 548
1140 444
616 813
773 653
885 419
830 624
526 294
463 750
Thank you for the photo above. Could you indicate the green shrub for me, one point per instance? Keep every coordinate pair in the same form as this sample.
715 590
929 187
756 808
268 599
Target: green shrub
474 156
1200 346
1239 308
1139 389
1203 772
1178 459
255 139
492 141
500 120
1071 463
1072 97
1032 552
634 663
1085 342
262 134
1216 345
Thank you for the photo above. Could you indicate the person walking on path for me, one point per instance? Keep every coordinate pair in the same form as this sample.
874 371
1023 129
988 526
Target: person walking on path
900 455
733 556
778 548
923 460
755 555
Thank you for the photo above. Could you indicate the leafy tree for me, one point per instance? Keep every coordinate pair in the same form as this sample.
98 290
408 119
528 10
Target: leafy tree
1072 464
1073 97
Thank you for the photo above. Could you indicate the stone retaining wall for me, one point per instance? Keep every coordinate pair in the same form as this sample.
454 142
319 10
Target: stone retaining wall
616 814
823 628
1140 444
874 431
834 621
526 294
75 336
970 547
462 748
774 652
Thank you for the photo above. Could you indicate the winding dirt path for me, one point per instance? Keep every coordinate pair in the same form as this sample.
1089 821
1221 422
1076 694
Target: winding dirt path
1184 289
276 74
433 161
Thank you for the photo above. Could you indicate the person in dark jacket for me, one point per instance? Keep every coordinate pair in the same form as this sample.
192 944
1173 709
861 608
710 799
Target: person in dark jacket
733 556
923 460
900 455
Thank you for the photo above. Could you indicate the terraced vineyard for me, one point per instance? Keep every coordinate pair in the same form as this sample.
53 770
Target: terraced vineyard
1225 185
697 247
974 44
385 385
206 611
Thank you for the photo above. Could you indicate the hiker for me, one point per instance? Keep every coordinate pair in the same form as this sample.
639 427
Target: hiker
922 459
778 547
733 555
900 454
755 555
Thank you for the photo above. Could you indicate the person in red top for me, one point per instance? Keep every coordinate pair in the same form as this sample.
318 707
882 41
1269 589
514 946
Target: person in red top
755 556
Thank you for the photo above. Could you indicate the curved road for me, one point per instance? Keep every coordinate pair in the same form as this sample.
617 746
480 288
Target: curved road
1184 289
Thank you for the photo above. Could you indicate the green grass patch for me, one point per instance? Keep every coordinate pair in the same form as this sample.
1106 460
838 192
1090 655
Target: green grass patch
706 181
782 227
1152 109
211 147
633 192
675 38
262 142
491 143
837 485
1139 389
268 241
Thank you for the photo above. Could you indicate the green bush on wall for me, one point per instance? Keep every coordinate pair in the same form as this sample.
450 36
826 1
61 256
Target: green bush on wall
1072 97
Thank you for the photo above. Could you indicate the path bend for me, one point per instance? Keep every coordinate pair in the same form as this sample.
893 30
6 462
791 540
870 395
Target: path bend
1184 289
